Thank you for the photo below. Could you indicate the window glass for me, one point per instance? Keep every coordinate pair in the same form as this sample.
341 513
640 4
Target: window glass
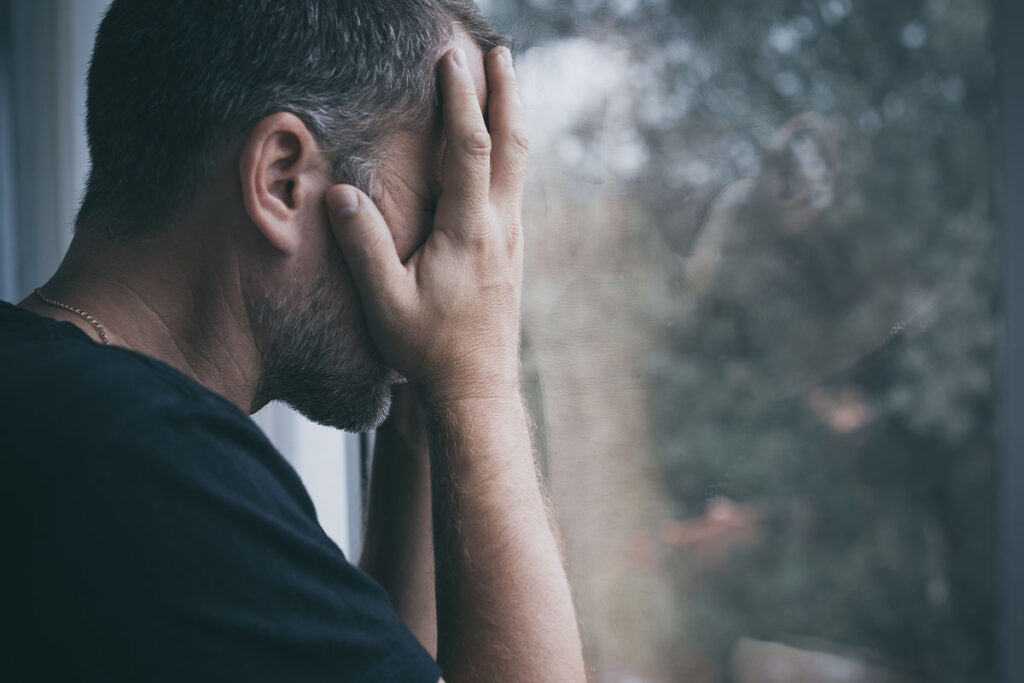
759 331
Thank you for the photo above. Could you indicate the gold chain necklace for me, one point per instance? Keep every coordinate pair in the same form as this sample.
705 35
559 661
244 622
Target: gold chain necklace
96 324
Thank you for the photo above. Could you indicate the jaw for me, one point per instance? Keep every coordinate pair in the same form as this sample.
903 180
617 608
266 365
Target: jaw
317 355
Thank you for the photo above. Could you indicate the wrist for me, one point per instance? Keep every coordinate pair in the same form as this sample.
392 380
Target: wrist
480 404
468 425
494 385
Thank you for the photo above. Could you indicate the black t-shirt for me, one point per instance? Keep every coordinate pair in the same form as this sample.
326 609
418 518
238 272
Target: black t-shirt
152 533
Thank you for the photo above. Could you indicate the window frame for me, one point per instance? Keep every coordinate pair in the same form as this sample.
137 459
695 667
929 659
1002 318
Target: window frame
1009 177
8 208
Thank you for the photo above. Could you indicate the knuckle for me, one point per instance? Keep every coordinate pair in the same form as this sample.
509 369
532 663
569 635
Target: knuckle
515 238
507 91
520 140
481 227
477 143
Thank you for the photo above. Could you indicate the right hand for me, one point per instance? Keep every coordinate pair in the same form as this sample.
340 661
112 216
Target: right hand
448 318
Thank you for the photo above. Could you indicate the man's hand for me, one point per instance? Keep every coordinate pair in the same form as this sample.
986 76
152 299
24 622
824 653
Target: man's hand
448 319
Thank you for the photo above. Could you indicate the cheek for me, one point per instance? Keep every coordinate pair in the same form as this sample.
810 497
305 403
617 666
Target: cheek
410 224
318 244
423 224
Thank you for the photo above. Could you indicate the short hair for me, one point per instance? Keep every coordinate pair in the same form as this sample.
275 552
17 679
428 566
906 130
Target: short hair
173 83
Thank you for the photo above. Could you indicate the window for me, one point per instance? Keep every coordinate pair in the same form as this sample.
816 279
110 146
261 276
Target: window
765 309
761 330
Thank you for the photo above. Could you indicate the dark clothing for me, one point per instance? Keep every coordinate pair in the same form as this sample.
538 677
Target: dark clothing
152 533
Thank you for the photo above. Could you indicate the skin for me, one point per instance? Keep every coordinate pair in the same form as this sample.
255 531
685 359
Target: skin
398 548
504 611
439 293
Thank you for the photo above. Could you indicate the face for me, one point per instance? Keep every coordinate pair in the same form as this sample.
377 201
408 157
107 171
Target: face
319 357
408 182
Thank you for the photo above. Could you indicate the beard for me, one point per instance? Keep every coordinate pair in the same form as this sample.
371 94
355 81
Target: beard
317 353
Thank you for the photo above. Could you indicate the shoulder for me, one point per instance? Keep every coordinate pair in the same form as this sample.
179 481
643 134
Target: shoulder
60 372
62 392
73 410
165 532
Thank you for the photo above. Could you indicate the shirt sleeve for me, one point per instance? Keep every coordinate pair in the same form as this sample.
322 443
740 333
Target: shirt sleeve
176 544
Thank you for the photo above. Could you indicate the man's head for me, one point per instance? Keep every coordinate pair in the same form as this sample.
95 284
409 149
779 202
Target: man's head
263 105
175 82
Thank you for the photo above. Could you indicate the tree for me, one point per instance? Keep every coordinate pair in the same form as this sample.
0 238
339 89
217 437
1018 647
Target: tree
830 364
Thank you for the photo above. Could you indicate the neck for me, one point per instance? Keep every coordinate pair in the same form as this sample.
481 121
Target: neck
171 303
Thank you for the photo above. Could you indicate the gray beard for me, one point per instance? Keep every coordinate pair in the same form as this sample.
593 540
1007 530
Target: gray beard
318 357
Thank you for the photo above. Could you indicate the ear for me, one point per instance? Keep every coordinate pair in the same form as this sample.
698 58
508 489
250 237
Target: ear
280 168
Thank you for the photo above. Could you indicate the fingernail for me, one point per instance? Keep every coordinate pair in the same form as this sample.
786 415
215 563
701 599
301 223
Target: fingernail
460 58
345 202
506 56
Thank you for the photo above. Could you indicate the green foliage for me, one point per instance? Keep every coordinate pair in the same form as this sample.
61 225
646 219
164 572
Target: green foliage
877 530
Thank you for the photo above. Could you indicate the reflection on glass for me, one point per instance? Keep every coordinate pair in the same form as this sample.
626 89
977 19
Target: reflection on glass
760 332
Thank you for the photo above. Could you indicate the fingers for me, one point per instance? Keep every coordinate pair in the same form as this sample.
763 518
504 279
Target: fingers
466 167
366 243
507 123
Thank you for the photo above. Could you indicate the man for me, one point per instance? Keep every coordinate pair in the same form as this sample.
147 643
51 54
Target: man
306 200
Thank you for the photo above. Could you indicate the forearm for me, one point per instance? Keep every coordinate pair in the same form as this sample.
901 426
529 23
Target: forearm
447 318
398 549
504 606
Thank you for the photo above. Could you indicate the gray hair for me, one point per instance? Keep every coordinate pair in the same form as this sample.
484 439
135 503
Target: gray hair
173 83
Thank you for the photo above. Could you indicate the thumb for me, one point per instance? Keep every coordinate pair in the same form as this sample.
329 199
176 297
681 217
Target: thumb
366 242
